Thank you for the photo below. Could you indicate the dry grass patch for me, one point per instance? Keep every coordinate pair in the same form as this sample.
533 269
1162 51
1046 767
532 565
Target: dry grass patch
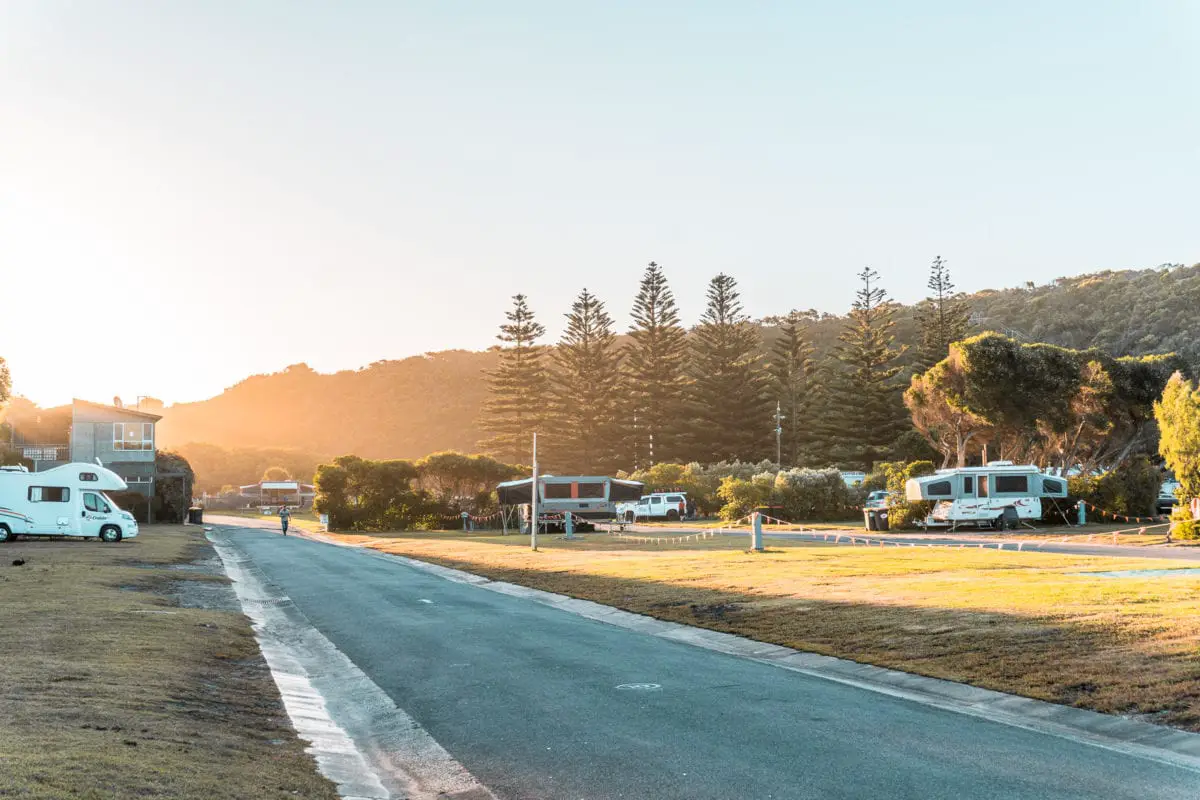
111 690
1034 624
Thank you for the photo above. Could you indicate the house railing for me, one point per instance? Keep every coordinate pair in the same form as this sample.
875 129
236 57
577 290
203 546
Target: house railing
44 452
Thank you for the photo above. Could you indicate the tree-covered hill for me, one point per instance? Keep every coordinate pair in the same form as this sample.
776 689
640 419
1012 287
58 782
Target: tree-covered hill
415 406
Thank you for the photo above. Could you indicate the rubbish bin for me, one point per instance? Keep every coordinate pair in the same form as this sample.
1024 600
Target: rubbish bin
881 515
870 520
195 515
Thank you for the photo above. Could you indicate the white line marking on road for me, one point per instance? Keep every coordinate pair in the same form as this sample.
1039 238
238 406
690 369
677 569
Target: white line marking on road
360 738
641 687
423 600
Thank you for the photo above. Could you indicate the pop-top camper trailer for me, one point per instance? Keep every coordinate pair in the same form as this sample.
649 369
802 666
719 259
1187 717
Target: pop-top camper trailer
985 495
589 499
64 501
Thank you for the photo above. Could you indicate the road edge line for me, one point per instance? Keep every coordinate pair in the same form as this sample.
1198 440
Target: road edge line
385 754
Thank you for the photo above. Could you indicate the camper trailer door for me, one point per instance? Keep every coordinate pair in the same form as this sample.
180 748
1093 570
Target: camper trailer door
96 512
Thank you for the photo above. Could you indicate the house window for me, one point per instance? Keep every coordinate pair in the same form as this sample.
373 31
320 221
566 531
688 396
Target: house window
133 436
49 494
1012 484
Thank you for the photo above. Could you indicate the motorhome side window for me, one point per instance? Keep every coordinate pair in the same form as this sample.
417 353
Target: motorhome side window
940 489
88 477
1012 484
49 494
556 491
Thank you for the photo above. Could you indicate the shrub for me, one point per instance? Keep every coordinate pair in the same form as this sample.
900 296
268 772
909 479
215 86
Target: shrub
813 494
1131 489
742 496
1183 526
892 476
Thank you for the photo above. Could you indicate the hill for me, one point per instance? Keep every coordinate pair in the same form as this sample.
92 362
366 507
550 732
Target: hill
415 406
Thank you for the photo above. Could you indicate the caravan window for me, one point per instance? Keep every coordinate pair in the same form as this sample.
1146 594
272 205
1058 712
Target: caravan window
49 494
1012 484
591 491
556 491
939 489
968 484
1050 486
983 487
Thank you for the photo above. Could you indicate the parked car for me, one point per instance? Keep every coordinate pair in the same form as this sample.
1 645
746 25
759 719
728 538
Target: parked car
879 499
658 505
1166 497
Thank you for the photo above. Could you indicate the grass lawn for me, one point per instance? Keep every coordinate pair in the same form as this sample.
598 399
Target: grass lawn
1033 624
109 689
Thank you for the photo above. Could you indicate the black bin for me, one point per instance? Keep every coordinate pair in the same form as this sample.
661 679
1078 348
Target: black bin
195 515
881 516
870 520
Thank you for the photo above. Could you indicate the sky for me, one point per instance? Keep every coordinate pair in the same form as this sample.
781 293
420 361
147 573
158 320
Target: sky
194 192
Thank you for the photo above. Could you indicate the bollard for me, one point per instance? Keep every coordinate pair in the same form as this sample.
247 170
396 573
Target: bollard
465 517
570 526
756 533
1082 512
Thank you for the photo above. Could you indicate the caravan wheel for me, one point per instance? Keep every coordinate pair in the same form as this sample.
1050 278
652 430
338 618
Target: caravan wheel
110 533
6 534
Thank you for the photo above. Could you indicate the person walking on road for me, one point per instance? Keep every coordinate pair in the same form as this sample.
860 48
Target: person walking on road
284 517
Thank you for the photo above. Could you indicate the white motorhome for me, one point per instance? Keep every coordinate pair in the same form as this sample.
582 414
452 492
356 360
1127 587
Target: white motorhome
64 501
990 495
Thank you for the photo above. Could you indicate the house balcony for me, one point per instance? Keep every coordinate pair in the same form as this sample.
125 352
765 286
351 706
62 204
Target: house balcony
44 452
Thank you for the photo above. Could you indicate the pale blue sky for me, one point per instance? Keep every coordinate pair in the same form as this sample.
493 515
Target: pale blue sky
230 187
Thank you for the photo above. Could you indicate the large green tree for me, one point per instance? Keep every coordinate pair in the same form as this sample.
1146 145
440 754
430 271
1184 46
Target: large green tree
791 369
864 411
943 317
655 378
585 436
732 409
1178 415
517 402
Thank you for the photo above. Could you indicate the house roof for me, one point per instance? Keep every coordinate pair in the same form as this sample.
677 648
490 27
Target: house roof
118 409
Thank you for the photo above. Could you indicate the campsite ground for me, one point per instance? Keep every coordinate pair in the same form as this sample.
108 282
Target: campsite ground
1040 625
129 671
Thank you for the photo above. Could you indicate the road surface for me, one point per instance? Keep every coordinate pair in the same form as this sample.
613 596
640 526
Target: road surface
530 699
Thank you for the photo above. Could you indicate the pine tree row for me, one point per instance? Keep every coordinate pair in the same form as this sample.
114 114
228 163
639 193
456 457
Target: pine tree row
712 393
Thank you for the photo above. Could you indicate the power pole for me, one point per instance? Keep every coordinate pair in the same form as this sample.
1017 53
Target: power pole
778 435
533 500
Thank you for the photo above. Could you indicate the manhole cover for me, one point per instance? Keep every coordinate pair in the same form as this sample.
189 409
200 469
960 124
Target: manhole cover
640 687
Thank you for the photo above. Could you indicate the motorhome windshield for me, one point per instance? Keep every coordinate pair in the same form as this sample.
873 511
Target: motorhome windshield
110 502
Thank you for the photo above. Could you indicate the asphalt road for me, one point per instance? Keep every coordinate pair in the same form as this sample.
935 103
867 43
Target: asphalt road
529 699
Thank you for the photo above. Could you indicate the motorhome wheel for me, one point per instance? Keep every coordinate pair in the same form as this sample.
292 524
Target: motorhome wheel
5 534
110 533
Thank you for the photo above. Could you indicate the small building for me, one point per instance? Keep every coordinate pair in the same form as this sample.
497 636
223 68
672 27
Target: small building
123 439
278 493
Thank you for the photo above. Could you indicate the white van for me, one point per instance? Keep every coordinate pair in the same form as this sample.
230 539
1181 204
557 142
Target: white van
64 501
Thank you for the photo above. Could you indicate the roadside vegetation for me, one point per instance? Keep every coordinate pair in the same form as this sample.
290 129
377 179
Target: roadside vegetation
1038 625
113 689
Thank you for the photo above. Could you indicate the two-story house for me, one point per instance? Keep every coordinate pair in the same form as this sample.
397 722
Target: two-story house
122 438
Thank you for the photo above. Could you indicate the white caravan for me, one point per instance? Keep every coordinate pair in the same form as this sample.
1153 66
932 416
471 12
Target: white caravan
998 493
64 501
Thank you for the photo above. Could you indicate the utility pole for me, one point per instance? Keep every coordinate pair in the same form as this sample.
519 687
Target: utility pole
533 500
778 435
